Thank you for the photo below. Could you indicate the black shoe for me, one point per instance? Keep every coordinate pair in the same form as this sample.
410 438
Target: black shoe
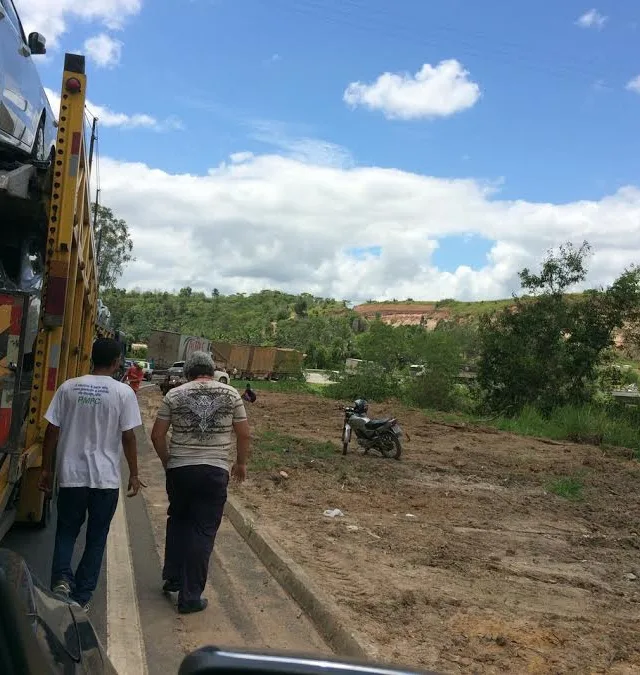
171 587
195 607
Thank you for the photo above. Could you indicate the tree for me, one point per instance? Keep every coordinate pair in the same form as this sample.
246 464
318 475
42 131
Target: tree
383 344
301 307
442 353
114 247
545 350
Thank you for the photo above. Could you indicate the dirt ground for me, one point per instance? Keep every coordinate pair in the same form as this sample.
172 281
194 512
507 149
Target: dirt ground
457 557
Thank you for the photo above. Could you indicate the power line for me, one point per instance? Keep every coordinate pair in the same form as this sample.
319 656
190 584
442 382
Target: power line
385 24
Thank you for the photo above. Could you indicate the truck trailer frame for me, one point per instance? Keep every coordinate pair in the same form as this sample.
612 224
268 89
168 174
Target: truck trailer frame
69 296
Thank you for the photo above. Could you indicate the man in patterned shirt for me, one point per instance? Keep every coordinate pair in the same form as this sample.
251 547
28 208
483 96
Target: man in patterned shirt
202 415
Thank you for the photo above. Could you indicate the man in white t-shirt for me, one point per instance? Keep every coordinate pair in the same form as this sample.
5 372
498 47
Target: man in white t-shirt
91 420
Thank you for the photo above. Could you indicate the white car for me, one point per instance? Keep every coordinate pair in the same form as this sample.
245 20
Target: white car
177 371
147 370
27 122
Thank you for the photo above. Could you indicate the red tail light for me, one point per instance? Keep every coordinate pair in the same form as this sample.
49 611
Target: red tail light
73 85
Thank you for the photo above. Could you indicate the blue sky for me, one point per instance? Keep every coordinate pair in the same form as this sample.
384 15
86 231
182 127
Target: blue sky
554 122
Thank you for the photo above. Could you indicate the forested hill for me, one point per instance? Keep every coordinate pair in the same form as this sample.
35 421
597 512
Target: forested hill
324 329
327 330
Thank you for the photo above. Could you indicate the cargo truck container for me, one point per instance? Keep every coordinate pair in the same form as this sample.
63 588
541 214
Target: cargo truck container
165 347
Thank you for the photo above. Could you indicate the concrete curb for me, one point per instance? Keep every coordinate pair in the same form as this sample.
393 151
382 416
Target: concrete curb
320 608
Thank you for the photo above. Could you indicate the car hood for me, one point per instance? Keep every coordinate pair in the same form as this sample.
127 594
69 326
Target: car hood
63 630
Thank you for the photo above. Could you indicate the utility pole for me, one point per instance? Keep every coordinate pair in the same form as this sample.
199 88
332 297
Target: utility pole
95 222
93 140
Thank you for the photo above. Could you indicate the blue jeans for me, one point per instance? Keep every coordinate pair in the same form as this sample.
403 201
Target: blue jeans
73 506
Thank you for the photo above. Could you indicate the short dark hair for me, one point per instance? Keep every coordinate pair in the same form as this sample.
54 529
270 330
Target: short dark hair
199 364
105 351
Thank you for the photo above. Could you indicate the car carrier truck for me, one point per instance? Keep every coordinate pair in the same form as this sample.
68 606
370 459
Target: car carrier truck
45 336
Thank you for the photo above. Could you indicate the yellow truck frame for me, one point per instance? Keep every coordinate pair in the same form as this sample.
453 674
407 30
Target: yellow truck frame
68 311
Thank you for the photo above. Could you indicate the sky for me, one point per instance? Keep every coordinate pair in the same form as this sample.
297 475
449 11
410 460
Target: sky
359 148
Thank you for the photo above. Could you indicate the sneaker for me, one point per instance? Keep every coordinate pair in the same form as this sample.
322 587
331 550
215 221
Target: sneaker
196 607
171 587
62 588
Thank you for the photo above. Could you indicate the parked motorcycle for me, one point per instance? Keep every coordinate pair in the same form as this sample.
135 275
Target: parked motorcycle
382 435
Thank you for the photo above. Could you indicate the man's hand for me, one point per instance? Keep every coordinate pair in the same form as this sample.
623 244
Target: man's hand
239 472
134 486
45 482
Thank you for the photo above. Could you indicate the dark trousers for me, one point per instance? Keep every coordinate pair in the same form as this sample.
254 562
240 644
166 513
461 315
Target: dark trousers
73 506
197 495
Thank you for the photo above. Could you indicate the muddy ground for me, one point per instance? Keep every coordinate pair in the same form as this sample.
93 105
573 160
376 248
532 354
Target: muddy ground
460 557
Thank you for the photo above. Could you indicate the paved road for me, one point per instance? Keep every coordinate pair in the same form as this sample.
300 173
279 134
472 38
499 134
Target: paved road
139 626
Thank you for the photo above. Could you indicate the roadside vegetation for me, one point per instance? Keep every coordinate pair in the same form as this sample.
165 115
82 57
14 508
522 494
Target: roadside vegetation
543 363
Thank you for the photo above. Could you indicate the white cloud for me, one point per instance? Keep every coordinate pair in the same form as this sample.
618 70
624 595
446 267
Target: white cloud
592 19
434 91
51 17
109 118
300 146
634 84
263 221
103 50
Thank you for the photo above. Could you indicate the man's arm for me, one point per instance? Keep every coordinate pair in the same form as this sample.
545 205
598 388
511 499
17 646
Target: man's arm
130 447
159 440
243 439
49 444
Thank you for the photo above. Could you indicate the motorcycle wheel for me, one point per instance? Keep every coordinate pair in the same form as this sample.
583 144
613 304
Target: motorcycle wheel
390 446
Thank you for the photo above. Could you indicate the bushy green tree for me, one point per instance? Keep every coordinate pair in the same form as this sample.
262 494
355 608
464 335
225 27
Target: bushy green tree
442 353
545 350
370 381
384 345
114 246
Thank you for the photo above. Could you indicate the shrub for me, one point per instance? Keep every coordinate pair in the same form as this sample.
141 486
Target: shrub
610 424
370 381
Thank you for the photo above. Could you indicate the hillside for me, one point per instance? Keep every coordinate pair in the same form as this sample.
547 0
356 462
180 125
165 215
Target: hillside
327 330
428 314
323 328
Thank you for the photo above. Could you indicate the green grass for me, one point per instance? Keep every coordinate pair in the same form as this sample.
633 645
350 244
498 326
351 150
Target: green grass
273 450
591 424
567 487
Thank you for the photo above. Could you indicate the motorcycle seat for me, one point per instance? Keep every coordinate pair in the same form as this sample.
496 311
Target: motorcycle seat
376 424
